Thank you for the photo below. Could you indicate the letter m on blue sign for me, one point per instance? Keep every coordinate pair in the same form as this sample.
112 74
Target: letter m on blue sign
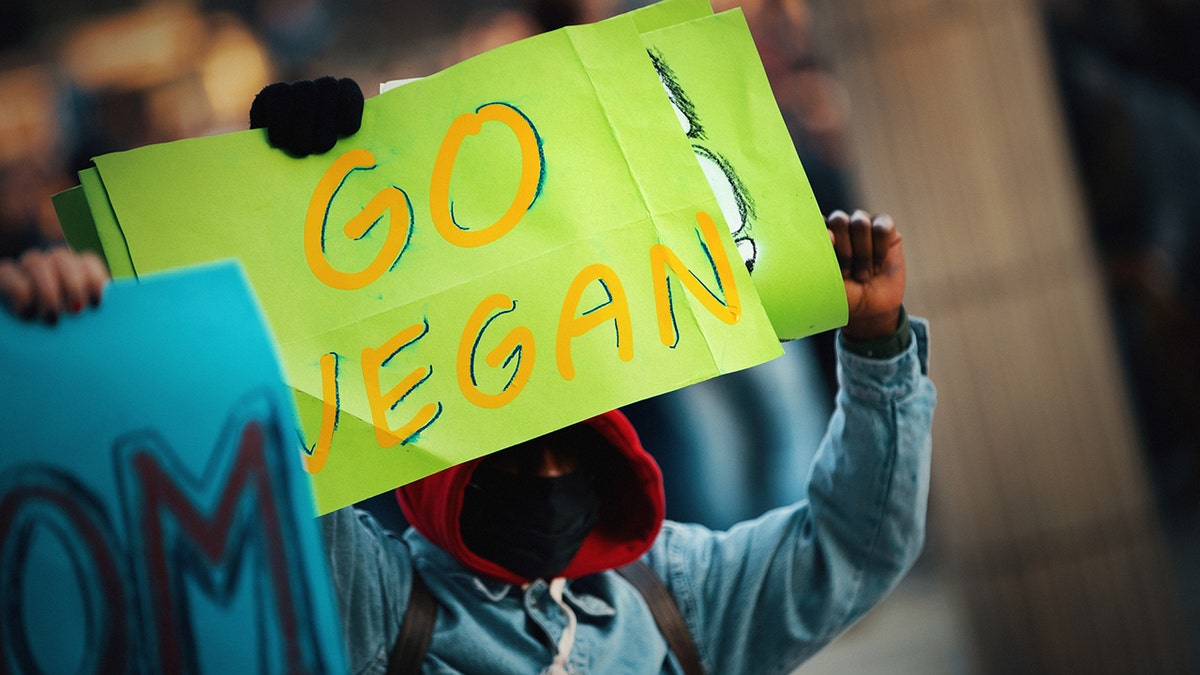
220 549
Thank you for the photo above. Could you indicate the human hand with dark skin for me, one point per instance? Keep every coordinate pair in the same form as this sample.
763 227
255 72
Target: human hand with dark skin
870 253
45 284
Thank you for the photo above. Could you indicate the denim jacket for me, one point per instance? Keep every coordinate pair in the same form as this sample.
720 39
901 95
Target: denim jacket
761 597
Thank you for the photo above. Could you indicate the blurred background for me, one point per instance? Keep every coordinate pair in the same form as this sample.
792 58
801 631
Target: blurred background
1041 159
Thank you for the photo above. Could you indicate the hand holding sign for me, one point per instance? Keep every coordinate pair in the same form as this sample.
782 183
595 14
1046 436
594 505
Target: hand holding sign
47 284
308 117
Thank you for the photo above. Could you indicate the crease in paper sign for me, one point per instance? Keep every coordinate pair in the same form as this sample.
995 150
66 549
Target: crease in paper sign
550 252
610 103
611 127
675 287
408 463
312 385
621 119
655 214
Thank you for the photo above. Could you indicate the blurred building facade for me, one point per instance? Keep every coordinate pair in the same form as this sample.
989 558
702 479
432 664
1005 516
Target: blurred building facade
1047 512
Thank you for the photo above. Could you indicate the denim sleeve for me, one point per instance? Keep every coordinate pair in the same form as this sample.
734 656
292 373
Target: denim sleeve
372 578
767 594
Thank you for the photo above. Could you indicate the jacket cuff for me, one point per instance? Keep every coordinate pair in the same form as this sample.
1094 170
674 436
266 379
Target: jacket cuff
881 380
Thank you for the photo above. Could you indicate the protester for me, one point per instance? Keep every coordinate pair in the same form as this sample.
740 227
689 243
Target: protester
519 550
524 553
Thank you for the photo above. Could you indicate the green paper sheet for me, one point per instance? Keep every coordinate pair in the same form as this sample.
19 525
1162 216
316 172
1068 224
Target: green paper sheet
71 206
751 164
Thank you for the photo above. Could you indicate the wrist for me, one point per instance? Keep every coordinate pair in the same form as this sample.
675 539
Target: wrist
865 329
878 344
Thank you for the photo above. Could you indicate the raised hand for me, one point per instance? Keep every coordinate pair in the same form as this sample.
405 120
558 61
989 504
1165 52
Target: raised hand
870 253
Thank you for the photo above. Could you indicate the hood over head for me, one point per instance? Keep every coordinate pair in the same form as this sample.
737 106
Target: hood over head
629 486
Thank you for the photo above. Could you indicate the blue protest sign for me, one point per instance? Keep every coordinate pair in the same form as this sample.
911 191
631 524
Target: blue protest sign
154 516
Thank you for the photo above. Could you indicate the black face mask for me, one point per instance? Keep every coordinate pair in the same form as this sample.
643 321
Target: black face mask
530 525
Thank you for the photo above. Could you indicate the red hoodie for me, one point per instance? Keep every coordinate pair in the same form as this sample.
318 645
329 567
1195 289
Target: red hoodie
629 486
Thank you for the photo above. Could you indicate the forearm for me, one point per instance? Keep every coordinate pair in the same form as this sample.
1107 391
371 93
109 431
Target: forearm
770 592
870 483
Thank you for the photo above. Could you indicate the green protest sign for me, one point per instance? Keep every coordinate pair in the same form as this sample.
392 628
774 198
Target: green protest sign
506 247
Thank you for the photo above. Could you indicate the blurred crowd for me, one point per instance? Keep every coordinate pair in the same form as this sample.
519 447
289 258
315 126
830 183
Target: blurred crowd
80 79
82 82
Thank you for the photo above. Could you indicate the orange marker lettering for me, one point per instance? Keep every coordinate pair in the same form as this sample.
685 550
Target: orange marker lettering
315 461
443 167
616 310
372 361
391 200
662 258
518 344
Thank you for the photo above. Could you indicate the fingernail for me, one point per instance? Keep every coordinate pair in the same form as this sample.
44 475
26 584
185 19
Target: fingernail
52 319
77 305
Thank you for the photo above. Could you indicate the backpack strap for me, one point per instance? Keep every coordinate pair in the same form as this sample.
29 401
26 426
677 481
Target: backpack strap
417 629
666 614
415 632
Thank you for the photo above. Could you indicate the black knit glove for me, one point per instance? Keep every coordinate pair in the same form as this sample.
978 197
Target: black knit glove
307 117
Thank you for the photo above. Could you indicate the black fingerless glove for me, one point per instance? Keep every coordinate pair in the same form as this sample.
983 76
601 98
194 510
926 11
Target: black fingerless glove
307 117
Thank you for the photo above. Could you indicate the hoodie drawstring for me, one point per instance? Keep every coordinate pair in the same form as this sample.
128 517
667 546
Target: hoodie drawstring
567 641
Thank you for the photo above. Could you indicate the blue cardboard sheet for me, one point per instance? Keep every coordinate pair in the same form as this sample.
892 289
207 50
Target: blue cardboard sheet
153 514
